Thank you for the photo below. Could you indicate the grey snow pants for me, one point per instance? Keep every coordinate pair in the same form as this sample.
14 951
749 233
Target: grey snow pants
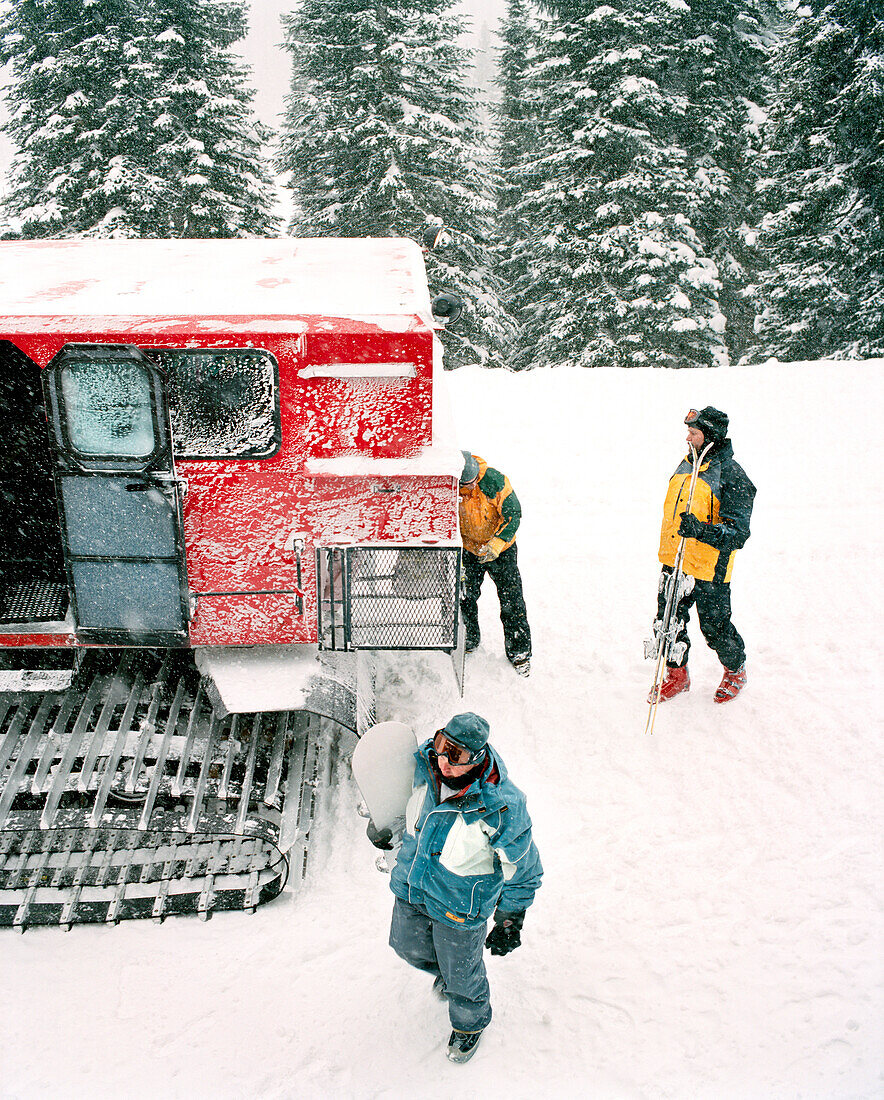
455 953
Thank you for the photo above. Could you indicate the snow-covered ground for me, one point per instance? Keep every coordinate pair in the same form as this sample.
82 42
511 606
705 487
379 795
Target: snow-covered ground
710 924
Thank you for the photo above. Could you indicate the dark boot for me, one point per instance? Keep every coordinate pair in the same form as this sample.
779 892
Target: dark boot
462 1045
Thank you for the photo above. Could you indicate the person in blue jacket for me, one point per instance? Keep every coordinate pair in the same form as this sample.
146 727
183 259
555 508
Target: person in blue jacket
467 854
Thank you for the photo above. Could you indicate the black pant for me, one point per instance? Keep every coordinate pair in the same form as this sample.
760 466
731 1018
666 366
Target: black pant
713 602
504 571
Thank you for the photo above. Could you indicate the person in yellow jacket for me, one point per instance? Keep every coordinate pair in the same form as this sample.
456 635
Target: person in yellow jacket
489 519
716 526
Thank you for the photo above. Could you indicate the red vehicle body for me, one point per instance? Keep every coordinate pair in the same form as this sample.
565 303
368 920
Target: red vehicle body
224 480
220 415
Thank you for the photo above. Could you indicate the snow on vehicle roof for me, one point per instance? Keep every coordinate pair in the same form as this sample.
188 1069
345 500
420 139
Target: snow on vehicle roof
378 278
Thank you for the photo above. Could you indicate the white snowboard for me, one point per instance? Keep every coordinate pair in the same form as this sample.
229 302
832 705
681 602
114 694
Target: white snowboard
383 767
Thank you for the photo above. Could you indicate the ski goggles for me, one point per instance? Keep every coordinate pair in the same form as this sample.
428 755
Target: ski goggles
456 755
692 417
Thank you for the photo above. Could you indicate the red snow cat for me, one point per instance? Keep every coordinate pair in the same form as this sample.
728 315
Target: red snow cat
227 477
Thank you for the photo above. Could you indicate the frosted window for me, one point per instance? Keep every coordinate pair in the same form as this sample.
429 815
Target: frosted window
108 408
221 402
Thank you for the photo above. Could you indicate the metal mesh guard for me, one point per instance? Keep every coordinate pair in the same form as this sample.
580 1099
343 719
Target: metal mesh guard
403 599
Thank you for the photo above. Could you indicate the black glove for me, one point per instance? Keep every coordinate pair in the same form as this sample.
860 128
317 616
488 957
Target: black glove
380 838
506 935
690 527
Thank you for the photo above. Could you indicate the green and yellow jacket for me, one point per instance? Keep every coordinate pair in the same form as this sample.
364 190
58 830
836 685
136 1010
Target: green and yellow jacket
723 499
489 511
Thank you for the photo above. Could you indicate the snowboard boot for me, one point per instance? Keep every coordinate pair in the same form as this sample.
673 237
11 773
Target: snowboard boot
522 663
732 683
462 1045
676 681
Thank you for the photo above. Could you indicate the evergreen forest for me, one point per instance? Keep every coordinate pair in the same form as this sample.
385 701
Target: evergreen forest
672 183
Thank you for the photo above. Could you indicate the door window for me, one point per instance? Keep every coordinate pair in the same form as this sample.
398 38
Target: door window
108 407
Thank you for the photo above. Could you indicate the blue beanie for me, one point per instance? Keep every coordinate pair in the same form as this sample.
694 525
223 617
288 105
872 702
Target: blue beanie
468 730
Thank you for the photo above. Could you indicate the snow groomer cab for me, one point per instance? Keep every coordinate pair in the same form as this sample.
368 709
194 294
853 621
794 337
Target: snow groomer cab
226 480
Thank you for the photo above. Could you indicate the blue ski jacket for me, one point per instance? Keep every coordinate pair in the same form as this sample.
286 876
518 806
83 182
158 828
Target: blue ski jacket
465 857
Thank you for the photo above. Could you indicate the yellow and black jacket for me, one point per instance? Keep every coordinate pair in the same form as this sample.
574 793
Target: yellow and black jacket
489 511
723 499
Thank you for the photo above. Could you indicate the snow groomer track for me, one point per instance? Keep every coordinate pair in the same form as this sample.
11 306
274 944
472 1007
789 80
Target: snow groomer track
126 796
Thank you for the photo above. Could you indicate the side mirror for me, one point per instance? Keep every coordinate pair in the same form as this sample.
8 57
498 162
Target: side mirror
447 307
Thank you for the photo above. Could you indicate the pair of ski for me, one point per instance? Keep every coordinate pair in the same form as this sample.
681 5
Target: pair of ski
660 645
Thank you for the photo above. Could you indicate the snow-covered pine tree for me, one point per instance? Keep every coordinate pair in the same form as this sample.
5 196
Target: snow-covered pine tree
619 190
81 73
516 142
722 71
210 147
823 290
380 139
103 101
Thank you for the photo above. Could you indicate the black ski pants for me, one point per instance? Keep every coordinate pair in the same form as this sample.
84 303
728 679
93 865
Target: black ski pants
504 571
713 603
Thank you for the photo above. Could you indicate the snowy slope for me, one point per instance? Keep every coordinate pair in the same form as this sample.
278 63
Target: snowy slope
710 922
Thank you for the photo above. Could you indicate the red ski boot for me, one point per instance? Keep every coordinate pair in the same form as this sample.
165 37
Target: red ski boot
676 681
732 683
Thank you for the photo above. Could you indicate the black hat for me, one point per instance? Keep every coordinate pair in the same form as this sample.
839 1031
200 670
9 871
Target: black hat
711 422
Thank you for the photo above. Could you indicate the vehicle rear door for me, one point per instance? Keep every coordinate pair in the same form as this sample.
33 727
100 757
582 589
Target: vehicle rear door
119 497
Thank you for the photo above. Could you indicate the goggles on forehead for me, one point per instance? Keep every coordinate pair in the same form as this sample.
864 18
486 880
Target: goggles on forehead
692 418
456 755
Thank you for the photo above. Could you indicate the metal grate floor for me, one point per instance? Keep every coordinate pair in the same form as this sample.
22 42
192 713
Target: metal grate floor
35 601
